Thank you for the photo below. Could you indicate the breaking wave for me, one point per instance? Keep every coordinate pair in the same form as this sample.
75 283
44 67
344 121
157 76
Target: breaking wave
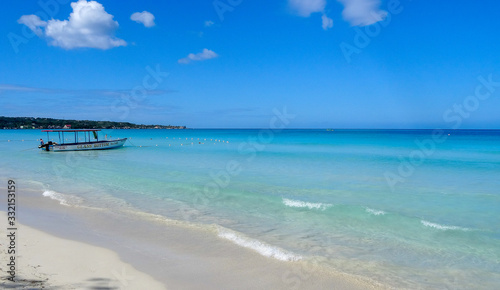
442 227
63 199
374 211
303 204
258 246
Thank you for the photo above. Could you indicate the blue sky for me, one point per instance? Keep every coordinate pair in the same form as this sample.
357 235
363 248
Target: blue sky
230 63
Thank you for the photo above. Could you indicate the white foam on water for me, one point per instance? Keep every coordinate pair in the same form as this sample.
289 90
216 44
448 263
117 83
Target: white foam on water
304 204
258 246
374 211
442 227
63 199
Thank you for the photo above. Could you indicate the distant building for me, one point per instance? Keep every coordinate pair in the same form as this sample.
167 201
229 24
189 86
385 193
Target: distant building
67 127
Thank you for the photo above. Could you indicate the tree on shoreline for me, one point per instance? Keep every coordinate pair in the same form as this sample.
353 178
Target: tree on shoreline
49 123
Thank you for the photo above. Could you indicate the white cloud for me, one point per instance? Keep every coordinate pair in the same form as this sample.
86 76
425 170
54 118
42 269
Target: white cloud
362 12
144 17
327 22
33 22
89 25
306 7
209 23
98 92
356 12
204 55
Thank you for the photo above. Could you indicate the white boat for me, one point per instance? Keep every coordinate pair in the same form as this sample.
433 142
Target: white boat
89 143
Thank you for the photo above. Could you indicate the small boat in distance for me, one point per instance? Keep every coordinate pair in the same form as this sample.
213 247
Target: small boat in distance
89 143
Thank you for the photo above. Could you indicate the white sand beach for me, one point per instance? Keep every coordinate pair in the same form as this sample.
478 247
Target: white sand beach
46 261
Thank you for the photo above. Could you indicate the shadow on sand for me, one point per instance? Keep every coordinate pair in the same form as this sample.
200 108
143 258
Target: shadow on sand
20 283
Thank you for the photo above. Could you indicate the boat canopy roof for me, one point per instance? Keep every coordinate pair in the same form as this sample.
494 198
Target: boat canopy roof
78 130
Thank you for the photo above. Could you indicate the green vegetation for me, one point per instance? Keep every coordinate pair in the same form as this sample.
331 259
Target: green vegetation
48 123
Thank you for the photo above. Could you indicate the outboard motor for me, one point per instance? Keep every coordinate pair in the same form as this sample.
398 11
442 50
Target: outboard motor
47 146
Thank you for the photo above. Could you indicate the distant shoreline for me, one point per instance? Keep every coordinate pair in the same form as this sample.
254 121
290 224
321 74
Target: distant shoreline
49 123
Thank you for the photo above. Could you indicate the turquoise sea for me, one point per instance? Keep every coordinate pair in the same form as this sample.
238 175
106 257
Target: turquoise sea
408 208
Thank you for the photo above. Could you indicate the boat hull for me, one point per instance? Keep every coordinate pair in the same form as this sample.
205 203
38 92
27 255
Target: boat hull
100 145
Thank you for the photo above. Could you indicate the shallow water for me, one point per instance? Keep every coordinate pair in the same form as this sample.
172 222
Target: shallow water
397 206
